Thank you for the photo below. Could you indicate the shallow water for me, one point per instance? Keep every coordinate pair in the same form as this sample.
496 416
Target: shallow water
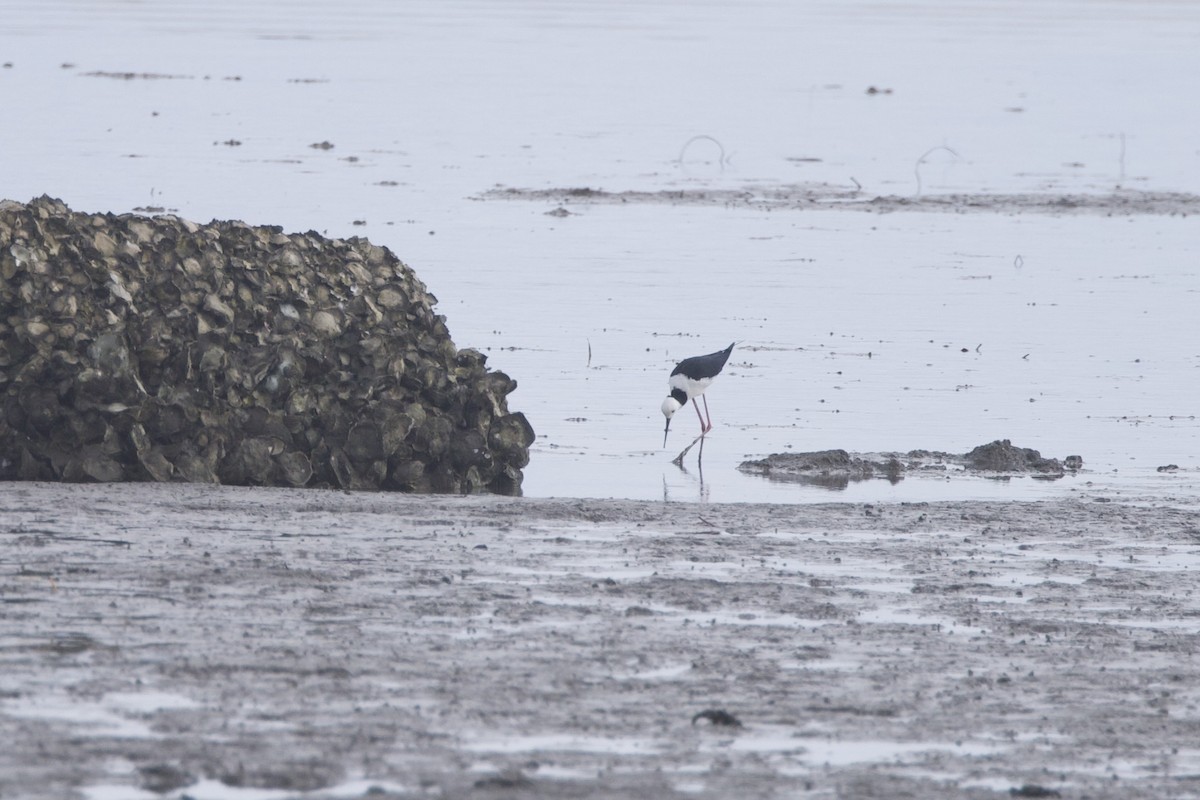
1070 334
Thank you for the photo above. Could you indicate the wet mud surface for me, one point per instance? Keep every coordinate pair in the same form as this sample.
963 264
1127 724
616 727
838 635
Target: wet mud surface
171 640
816 196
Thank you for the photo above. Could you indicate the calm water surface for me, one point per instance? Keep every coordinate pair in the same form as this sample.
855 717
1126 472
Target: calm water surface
1069 334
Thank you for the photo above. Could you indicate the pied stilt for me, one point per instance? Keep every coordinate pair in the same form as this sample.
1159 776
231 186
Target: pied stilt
688 381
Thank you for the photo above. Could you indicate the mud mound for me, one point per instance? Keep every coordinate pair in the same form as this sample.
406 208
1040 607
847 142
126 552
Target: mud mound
156 349
1002 456
835 469
831 468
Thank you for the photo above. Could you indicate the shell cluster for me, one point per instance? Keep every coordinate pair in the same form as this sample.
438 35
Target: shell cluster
140 348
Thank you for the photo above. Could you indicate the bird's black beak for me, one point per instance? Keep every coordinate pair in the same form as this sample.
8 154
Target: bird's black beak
666 430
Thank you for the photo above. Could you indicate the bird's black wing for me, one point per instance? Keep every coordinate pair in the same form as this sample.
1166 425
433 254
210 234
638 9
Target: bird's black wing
709 366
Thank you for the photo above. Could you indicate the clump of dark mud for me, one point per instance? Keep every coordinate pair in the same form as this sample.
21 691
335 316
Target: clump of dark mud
155 349
835 469
717 716
1002 456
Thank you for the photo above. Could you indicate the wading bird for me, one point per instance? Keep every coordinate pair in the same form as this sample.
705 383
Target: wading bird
688 381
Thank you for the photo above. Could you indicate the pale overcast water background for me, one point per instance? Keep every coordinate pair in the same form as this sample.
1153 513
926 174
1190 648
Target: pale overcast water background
1068 333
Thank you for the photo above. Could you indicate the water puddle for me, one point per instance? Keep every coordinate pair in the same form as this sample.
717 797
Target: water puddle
563 743
117 714
836 753
892 615
664 673
215 790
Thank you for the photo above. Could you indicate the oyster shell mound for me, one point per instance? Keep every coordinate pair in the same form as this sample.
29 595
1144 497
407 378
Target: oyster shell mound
138 348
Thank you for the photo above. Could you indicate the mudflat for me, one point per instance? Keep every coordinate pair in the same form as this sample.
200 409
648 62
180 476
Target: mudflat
201 641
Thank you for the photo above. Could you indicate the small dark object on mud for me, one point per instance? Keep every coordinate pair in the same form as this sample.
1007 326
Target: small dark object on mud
1169 468
1073 463
156 349
718 716
164 778
1033 790
509 779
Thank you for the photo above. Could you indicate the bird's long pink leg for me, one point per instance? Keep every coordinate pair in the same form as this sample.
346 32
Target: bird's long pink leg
707 427
703 430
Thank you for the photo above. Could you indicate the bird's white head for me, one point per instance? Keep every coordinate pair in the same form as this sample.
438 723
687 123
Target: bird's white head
669 407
